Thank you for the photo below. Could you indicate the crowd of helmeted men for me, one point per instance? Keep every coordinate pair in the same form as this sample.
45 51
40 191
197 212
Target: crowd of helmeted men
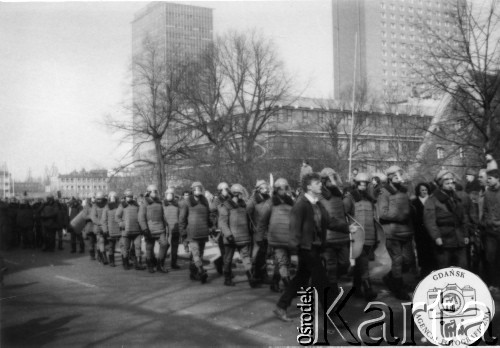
425 226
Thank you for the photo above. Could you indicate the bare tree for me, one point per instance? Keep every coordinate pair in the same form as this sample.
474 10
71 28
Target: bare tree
462 60
233 95
158 80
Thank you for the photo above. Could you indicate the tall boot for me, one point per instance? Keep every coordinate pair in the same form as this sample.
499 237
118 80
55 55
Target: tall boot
368 291
357 285
112 260
137 264
203 274
125 263
149 264
218 262
193 272
264 276
173 262
99 256
389 281
104 258
160 266
275 285
286 282
92 254
228 281
399 290
251 280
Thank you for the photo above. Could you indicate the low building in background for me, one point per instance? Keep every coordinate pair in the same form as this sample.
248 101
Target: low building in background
83 183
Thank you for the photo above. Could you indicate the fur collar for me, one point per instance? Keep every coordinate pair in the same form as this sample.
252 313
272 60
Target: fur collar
201 199
259 198
329 192
277 200
173 202
393 190
126 204
443 197
150 200
358 196
230 204
112 205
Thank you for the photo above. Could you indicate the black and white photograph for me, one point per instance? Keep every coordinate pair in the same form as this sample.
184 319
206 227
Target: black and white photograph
249 173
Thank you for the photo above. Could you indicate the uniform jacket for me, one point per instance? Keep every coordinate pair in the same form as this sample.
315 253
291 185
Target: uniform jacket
303 232
257 206
361 207
25 217
108 221
96 215
50 216
127 217
395 213
491 212
444 218
278 220
194 218
63 216
233 221
151 216
338 232
171 212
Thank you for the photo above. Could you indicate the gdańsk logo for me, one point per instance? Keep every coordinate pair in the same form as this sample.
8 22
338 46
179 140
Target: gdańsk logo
452 306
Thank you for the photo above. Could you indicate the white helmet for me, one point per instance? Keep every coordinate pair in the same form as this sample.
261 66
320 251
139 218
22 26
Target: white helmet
237 188
152 188
99 195
360 177
222 186
281 183
112 196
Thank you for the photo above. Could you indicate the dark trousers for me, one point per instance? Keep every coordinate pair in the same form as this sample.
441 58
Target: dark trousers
244 251
174 242
92 241
59 234
39 237
50 239
260 260
492 260
77 238
28 237
361 269
425 252
337 260
310 267
111 246
447 257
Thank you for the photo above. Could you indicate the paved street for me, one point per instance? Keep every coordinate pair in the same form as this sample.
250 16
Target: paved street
61 300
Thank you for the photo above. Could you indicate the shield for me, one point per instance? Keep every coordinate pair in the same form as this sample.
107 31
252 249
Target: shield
78 222
357 238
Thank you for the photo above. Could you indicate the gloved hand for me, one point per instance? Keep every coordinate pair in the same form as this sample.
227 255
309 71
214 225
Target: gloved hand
146 233
230 239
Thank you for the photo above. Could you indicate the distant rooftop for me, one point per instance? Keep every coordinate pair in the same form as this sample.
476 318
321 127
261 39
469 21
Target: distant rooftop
152 5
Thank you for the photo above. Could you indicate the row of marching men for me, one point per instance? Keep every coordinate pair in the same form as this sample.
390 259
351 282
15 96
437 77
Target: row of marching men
240 222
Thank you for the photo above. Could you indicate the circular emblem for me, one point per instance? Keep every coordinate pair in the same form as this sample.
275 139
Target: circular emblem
452 306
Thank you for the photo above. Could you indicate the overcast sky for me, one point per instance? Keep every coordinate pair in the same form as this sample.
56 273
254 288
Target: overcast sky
63 66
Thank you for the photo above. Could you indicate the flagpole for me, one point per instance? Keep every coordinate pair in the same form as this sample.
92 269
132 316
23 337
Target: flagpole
353 106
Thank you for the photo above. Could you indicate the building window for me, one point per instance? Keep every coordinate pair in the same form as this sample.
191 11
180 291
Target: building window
440 153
